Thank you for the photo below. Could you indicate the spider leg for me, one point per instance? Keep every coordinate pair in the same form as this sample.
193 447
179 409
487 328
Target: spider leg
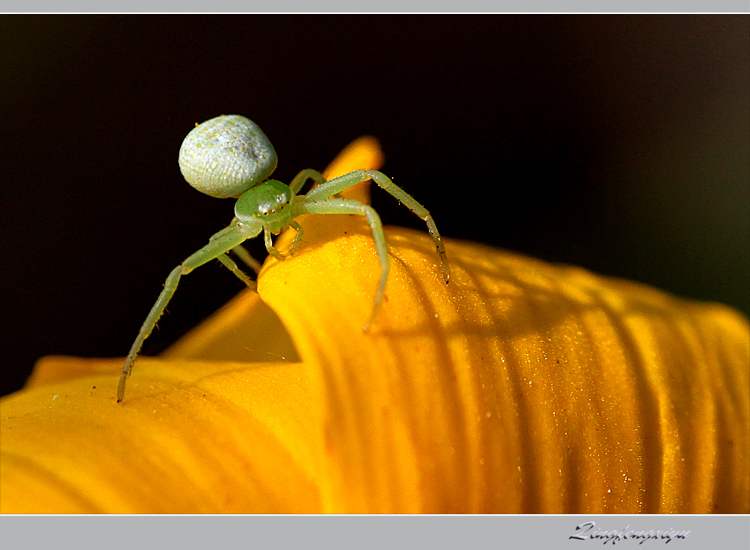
345 206
297 237
241 275
295 244
300 179
245 256
217 246
346 181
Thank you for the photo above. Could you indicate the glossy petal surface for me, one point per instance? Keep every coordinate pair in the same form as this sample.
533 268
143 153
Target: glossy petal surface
519 387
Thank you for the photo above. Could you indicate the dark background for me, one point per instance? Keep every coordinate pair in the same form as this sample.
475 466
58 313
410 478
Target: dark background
617 143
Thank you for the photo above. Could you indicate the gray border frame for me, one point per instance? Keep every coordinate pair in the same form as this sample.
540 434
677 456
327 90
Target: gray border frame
392 532
374 532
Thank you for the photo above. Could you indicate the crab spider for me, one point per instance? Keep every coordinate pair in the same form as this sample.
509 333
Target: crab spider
230 156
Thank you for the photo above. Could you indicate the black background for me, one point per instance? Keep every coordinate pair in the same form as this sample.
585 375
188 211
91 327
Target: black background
617 143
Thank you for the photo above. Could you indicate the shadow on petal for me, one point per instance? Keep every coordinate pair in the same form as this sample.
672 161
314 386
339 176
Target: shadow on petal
519 387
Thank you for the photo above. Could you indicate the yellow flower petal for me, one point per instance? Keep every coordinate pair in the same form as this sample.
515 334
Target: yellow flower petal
66 448
518 387
362 154
194 437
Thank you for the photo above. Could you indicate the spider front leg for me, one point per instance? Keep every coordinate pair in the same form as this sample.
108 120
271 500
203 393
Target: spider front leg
345 206
243 255
217 247
346 181
295 244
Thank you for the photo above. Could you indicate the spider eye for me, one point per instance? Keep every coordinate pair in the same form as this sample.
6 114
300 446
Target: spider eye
269 198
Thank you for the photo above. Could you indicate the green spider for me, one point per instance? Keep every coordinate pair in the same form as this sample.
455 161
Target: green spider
230 156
